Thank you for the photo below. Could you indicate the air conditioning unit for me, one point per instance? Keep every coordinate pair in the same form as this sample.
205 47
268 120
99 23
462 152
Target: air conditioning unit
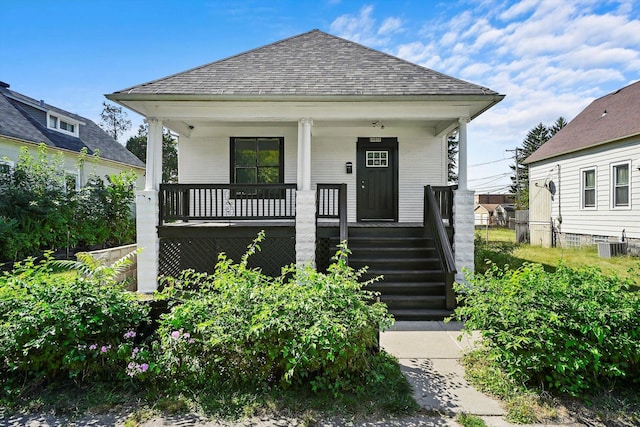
610 249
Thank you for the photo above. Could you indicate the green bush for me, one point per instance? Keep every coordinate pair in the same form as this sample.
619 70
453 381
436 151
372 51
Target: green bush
238 326
60 326
569 330
39 212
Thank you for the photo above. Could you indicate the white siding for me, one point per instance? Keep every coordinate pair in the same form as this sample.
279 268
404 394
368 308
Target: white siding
603 220
422 158
102 168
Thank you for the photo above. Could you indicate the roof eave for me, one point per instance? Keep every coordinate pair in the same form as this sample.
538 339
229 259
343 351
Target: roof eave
597 144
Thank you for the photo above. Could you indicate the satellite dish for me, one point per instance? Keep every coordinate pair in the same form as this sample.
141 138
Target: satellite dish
551 186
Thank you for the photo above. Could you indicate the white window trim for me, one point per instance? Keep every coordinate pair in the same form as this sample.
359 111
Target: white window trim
7 162
76 124
582 189
613 185
75 174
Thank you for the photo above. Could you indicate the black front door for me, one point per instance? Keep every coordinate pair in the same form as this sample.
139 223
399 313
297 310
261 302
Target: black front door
377 179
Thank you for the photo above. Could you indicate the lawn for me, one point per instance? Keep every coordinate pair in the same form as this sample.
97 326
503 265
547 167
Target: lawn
501 243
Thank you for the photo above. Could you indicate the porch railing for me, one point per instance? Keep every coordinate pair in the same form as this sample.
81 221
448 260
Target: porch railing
185 202
444 201
433 219
331 202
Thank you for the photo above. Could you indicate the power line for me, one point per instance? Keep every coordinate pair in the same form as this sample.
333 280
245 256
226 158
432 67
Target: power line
490 176
489 163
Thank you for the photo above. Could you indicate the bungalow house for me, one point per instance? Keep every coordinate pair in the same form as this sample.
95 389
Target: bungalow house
314 139
26 122
494 209
584 183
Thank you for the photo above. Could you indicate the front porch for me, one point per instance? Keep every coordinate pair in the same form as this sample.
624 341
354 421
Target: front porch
199 221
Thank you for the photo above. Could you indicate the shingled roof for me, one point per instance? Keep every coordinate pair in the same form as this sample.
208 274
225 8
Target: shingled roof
310 64
610 118
24 118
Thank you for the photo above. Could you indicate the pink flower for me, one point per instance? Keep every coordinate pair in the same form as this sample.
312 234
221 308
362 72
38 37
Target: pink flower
136 350
191 341
130 334
144 367
93 347
186 335
175 334
105 348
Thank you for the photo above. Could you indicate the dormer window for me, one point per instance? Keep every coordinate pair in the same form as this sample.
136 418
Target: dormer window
62 124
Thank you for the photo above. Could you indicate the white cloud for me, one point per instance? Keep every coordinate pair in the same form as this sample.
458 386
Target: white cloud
363 28
550 58
390 25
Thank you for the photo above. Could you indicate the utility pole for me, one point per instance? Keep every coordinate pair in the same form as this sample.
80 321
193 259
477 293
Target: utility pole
516 157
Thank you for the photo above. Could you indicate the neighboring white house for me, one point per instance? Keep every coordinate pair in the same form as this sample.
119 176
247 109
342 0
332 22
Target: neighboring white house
287 135
26 122
584 183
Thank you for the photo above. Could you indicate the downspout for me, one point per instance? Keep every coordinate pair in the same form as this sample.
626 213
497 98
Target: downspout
559 203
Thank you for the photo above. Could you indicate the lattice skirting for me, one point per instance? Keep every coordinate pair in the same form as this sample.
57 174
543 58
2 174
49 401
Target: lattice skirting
326 240
184 248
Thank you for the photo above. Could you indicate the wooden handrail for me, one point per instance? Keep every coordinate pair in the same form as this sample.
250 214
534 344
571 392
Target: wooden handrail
331 202
433 218
184 202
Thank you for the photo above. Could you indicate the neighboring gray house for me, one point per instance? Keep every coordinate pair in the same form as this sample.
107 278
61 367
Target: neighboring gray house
26 122
584 183
315 139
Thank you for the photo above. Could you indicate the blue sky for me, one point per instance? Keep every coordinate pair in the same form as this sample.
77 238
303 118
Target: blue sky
551 58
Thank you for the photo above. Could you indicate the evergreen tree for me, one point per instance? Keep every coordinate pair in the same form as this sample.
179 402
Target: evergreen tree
138 146
114 121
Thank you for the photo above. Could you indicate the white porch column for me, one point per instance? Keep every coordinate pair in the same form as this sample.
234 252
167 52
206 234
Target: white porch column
462 153
147 211
463 209
304 154
305 199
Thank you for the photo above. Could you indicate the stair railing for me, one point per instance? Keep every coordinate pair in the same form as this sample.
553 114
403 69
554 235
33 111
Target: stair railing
331 202
433 219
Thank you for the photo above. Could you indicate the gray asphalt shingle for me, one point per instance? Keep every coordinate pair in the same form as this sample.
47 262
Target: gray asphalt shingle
310 64
18 121
613 117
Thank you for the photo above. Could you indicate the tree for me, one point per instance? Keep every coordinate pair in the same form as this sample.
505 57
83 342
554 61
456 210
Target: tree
452 154
114 121
138 146
535 138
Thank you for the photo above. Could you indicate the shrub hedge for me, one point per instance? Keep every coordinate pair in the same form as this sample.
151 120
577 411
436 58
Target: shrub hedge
569 330
240 326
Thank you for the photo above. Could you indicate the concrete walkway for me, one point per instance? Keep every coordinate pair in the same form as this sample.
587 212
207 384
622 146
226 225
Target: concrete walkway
429 354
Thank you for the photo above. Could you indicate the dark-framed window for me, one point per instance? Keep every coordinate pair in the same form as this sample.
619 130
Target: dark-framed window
257 160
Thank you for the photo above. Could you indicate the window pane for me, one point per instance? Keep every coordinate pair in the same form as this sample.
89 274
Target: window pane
53 122
245 152
622 174
268 175
589 198
268 152
245 175
590 179
622 196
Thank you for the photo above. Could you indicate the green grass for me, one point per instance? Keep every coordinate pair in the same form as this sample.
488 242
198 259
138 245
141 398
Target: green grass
526 405
467 420
503 249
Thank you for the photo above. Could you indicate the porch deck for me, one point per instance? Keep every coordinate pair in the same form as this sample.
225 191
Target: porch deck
288 223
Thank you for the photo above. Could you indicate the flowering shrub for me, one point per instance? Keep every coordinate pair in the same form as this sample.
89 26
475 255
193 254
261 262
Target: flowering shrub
240 326
60 326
